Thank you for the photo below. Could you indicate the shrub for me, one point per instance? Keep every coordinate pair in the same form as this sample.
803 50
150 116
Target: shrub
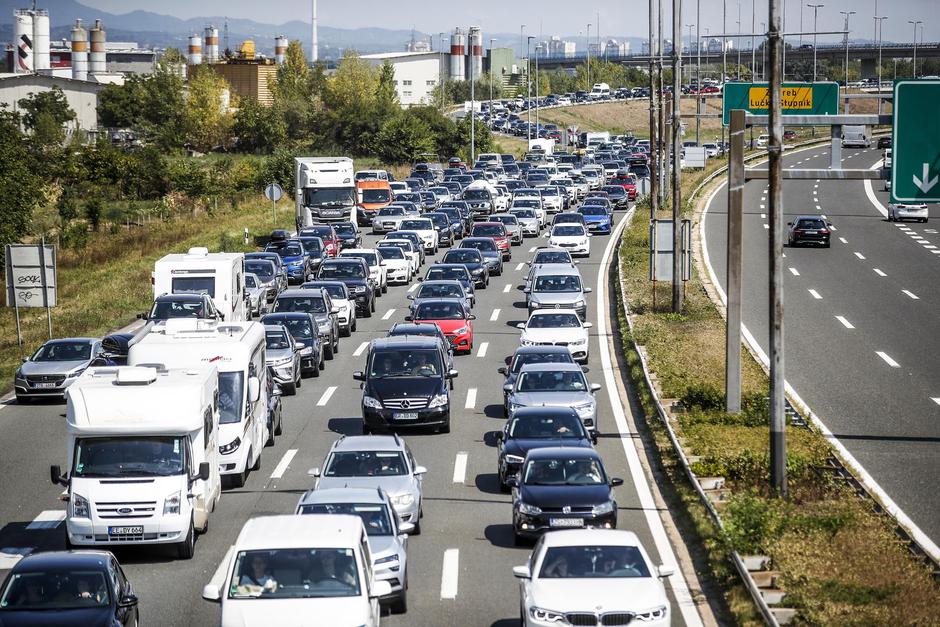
703 397
753 523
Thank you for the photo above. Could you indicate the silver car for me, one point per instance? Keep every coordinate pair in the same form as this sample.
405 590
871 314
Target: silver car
376 461
387 535
283 358
554 385
54 367
554 287
436 290
528 220
257 295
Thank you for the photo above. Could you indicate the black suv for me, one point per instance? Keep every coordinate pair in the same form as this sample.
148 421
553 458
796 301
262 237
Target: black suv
168 306
405 384
537 427
354 272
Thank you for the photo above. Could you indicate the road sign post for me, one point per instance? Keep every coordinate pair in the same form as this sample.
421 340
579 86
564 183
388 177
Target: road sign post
915 159
820 98
273 192
31 280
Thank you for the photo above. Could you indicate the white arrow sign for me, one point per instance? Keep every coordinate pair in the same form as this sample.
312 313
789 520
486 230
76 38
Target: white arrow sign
923 184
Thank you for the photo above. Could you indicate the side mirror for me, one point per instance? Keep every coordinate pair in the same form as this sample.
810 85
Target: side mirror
381 588
615 481
127 601
204 470
142 315
420 470
595 387
789 224
472 317
358 375
587 290
24 359
665 571
526 290
254 389
501 370
521 325
411 296
451 374
313 472
587 325
406 528
334 310
299 346
408 318
507 387
55 475
521 572
513 481
500 436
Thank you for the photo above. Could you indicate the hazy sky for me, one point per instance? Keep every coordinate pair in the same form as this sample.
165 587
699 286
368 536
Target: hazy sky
565 17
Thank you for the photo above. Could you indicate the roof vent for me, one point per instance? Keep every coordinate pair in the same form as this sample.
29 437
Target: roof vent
198 251
134 375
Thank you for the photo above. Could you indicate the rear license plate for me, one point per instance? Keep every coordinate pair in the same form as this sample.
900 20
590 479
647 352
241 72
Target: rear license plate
45 386
809 232
126 531
405 415
565 522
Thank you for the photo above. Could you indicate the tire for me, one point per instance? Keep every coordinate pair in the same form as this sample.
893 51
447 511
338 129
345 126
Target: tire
290 390
417 531
238 481
367 312
445 428
353 328
23 400
385 288
270 440
300 378
187 548
279 429
328 350
400 605
372 306
336 342
518 540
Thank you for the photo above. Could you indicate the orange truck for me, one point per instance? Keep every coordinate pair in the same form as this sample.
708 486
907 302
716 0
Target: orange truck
371 195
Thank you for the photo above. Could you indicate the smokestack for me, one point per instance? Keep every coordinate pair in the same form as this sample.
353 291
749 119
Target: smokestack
40 40
98 59
194 56
457 52
211 44
79 52
314 46
280 49
475 52
23 39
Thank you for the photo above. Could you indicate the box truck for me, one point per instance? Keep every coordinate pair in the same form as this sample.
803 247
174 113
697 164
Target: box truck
220 275
325 190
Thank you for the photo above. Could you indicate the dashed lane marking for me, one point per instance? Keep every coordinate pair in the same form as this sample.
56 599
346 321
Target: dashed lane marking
794 272
910 294
887 359
282 465
845 323
495 315
361 349
48 519
815 294
859 255
460 467
879 272
449 573
326 396
471 398
481 352
507 289
388 314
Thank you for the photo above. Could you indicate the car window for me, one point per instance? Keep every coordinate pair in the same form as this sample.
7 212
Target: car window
63 351
295 574
438 290
563 471
342 271
263 269
560 357
590 562
551 256
276 340
552 381
165 309
374 516
55 589
312 304
565 230
593 210
439 311
446 274
405 363
391 252
554 320
811 224
299 328
391 211
462 256
365 464
557 283
480 244
537 427
489 230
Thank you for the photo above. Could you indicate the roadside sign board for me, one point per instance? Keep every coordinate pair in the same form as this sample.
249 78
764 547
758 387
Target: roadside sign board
915 151
273 192
30 275
820 98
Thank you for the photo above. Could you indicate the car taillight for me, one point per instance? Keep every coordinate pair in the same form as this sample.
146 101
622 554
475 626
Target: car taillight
824 231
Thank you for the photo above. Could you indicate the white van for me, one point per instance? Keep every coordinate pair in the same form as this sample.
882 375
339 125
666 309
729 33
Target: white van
489 158
142 452
238 351
220 275
854 136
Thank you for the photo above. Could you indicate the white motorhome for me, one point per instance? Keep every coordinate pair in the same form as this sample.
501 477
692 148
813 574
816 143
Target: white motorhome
142 450
324 189
593 138
599 91
856 137
238 352
546 146
220 275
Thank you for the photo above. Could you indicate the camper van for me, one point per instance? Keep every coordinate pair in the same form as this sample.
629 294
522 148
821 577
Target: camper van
142 450
220 275
856 137
238 351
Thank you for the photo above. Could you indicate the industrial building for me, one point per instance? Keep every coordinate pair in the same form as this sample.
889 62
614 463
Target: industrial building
82 96
416 74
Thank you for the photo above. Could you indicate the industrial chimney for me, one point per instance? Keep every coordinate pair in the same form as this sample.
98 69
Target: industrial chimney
98 60
40 40
79 52
23 39
314 45
280 49
194 56
475 52
457 52
211 44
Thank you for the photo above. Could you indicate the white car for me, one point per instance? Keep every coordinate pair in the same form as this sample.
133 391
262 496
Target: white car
531 202
528 219
552 199
572 237
594 175
898 212
414 256
501 199
592 577
559 327
262 578
425 230
399 187
763 140
377 271
398 267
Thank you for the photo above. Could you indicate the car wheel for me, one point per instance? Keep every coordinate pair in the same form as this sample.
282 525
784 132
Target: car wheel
417 530
279 429
300 378
353 328
270 440
238 481
257 464
400 605
290 389
445 428
23 400
517 539
328 350
385 288
186 548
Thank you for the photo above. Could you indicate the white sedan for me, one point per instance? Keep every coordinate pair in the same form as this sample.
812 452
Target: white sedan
398 267
572 237
413 256
558 327
425 230
592 577
898 212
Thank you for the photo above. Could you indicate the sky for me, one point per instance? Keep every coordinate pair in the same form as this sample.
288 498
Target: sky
563 17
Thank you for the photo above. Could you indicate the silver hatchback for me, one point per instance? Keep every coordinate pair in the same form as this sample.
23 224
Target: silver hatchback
54 367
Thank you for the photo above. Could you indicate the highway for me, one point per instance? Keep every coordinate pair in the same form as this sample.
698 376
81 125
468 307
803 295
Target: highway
862 330
464 508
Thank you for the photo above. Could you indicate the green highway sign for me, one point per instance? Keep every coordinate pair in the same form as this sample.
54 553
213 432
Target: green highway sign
797 99
915 154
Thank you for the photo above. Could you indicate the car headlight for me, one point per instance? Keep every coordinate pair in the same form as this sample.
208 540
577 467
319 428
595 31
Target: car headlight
231 447
18 374
580 342
404 500
369 401
76 373
526 342
579 303
657 613
388 559
529 510
79 506
462 330
171 505
603 508
477 271
584 409
280 363
360 289
439 400
514 459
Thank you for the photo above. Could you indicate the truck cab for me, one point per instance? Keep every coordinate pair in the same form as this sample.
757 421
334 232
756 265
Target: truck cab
324 190
371 196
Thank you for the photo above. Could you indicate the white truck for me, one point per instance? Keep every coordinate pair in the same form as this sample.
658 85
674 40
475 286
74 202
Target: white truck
238 352
593 138
600 91
220 275
142 453
324 190
545 146
856 136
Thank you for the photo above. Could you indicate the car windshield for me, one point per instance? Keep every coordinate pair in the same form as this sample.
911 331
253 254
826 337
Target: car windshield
166 309
405 363
462 256
366 464
345 229
562 471
593 562
557 283
55 589
506 219
294 574
193 285
440 290
277 340
342 271
329 196
376 195
551 256
446 274
524 213
476 194
311 304
439 311
554 320
417 225
555 357
299 327
538 427
811 224
566 230
390 252
391 211
402 246
549 191
263 269
489 230
130 457
552 381
615 190
439 220
374 516
593 210
63 351
323 232
370 258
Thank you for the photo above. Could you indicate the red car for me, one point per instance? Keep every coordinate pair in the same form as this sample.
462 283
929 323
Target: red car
325 232
710 89
627 183
452 316
497 231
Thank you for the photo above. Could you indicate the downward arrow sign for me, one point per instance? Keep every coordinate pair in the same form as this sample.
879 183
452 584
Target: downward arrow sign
923 184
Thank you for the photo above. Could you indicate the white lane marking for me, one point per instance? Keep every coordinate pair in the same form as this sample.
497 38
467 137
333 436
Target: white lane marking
823 216
843 240
763 216
460 467
879 272
507 289
815 294
471 398
912 295
914 236
326 396
871 193
794 272
766 226
450 573
845 323
818 207
936 252
520 266
816 185
533 249
930 230
762 207
859 255
388 314
888 359
935 399
495 315
282 465
47 519
481 352
359 351
413 287
666 555
929 246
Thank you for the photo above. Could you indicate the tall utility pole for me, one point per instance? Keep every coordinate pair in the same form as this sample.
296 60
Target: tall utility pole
538 48
783 63
689 63
443 73
522 39
846 15
676 158
473 113
753 29
491 75
314 46
588 40
528 83
878 26
737 43
698 68
724 58
801 22
654 126
915 46
815 8
664 164
763 54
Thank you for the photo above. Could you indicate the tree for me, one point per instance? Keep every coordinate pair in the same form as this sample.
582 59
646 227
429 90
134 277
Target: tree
386 98
19 179
353 85
124 106
403 138
259 128
45 114
293 92
206 122
483 138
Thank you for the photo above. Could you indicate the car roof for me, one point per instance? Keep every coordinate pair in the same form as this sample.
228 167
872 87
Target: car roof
344 495
62 340
62 559
323 284
530 412
405 342
552 367
550 452
191 298
368 443
275 327
303 292
555 269
450 266
286 315
590 537
541 349
291 531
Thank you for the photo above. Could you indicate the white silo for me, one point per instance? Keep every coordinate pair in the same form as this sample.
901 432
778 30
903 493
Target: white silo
194 56
280 49
23 40
79 52
40 40
98 59
475 52
457 52
211 44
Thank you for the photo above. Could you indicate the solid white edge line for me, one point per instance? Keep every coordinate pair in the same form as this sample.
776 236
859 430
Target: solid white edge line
677 582
282 465
871 193
471 398
845 323
449 573
460 467
388 314
326 396
361 349
495 315
887 359
481 352
928 545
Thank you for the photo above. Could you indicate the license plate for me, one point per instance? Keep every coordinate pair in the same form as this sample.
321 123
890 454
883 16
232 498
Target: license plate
126 531
565 522
809 232
45 385
405 415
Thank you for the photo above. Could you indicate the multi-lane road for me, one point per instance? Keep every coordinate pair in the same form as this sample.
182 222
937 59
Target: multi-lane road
861 325
466 515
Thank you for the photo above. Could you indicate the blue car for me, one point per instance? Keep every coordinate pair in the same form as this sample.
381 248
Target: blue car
597 218
295 259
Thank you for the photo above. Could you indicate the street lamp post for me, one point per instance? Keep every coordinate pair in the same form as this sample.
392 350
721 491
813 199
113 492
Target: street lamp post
815 8
915 45
690 27
528 84
443 73
763 50
491 75
878 25
737 44
538 93
473 114
724 58
846 15
753 49
588 40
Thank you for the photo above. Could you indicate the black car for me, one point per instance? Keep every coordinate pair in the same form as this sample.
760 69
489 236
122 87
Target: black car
168 306
561 488
355 274
279 268
472 259
480 201
317 302
68 588
348 234
884 141
303 328
442 224
617 196
492 256
808 230
267 274
315 251
405 384
463 209
456 221
537 427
